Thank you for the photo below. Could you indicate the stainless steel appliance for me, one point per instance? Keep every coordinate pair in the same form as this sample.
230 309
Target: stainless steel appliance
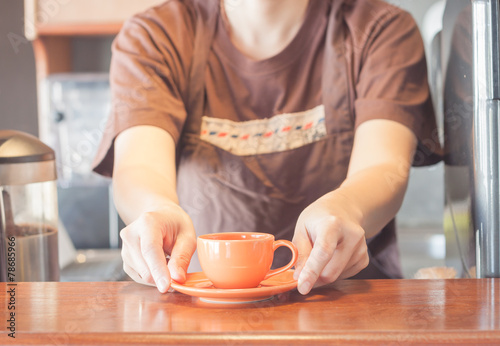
72 122
28 209
470 51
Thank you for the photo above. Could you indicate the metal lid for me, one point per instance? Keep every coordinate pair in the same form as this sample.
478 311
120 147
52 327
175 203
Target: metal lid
20 147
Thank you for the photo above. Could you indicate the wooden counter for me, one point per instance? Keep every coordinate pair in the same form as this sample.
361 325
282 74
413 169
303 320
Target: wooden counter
395 312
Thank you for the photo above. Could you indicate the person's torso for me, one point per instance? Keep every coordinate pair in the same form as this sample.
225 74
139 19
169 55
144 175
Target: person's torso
261 152
274 135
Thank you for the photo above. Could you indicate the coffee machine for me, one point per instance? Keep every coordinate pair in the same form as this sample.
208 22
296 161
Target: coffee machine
28 209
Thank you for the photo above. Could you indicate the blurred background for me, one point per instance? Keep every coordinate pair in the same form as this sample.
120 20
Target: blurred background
421 239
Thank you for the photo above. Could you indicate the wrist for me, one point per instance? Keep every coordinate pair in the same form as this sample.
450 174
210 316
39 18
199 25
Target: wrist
341 205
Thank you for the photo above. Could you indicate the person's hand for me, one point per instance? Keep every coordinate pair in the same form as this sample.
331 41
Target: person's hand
147 241
331 244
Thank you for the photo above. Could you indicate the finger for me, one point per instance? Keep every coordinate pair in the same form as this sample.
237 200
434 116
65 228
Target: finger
334 268
322 252
349 256
354 269
133 263
134 275
131 272
152 252
180 257
360 261
304 247
132 257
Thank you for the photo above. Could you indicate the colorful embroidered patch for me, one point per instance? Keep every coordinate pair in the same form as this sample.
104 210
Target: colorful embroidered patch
278 133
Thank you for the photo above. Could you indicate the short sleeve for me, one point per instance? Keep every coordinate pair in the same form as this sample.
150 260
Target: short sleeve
393 83
148 76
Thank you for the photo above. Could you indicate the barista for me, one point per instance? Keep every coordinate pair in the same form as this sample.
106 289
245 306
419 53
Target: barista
293 117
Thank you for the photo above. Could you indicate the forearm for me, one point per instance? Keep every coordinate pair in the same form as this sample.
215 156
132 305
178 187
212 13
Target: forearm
378 174
144 184
374 195
137 190
331 233
144 174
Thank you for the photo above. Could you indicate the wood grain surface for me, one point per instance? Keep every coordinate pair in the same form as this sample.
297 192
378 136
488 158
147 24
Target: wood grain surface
389 312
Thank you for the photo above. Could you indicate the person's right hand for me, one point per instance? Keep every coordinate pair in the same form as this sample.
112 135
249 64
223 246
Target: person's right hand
149 239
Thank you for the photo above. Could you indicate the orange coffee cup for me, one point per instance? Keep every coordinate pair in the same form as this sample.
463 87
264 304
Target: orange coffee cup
240 259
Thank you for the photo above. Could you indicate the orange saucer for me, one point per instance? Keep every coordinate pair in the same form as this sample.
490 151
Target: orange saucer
198 285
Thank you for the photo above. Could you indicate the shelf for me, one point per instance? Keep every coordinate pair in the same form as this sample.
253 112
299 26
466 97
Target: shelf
79 17
51 25
98 29
54 27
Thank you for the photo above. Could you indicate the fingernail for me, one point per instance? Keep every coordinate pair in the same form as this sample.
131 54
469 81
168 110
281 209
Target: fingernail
162 285
182 275
304 286
178 274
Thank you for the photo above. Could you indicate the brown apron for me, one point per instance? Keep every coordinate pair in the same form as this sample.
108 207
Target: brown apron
223 192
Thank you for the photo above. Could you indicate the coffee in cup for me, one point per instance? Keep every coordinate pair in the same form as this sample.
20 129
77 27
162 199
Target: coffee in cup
240 260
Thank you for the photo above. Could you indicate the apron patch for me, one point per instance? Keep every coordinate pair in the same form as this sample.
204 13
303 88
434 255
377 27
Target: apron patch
263 136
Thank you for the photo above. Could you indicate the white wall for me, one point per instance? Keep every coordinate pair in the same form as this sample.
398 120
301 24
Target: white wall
18 109
424 202
416 7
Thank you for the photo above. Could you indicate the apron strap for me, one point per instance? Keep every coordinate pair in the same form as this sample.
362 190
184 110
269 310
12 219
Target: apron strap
207 13
335 81
335 85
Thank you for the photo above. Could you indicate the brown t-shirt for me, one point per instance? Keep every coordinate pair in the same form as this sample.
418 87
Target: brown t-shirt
258 141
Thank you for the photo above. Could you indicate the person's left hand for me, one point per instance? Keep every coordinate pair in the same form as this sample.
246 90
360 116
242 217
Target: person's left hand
330 241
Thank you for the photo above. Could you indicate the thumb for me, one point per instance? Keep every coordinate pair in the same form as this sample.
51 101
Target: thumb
304 248
180 257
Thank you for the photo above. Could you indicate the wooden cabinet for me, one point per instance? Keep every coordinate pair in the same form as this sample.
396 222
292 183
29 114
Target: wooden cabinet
80 17
51 24
54 25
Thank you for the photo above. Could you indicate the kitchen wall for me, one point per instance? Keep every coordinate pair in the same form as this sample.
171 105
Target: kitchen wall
424 202
18 108
416 7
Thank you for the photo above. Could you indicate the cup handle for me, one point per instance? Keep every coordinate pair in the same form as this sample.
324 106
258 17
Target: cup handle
295 253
